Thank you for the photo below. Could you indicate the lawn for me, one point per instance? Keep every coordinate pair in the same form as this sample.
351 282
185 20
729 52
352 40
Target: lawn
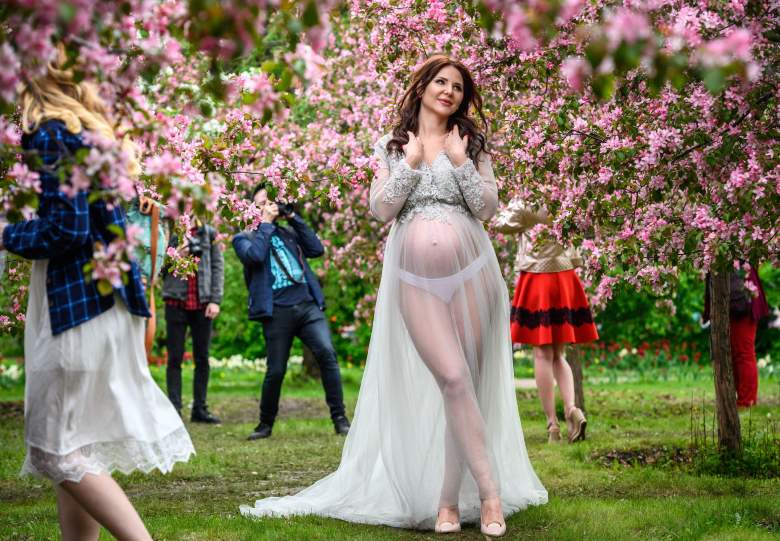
590 498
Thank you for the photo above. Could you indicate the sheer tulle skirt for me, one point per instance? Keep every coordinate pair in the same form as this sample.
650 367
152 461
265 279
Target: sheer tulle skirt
436 420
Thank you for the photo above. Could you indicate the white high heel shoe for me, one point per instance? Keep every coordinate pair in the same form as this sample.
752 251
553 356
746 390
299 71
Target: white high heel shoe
446 526
492 529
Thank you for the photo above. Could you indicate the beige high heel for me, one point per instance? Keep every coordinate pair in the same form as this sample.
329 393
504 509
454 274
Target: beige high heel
492 529
553 433
576 422
446 526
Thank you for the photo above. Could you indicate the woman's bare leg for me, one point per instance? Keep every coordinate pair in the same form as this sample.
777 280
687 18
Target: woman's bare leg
545 380
106 503
75 523
564 377
434 334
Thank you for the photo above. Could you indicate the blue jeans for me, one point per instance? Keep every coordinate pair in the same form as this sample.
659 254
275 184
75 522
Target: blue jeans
307 322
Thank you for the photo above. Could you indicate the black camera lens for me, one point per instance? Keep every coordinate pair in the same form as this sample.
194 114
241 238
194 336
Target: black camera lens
285 209
194 246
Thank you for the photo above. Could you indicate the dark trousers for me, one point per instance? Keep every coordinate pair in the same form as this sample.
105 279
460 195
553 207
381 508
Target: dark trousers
176 321
307 322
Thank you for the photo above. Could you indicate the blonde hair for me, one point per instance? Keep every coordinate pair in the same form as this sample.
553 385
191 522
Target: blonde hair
56 95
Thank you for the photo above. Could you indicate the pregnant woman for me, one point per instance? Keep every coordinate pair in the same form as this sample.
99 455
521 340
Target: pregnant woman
436 437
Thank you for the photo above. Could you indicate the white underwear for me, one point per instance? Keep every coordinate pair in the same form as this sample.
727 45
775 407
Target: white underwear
446 286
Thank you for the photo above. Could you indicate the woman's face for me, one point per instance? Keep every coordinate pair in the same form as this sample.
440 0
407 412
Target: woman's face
444 93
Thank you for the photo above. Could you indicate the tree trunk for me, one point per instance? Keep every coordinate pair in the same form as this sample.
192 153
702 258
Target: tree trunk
310 367
729 437
574 358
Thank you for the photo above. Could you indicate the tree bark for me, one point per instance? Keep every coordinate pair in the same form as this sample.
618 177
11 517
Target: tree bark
574 358
310 367
729 436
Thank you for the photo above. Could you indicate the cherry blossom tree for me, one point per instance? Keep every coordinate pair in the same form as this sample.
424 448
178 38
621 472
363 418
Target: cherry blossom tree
648 127
651 131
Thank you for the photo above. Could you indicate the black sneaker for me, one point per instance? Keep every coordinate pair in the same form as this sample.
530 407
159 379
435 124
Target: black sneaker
202 415
341 424
261 431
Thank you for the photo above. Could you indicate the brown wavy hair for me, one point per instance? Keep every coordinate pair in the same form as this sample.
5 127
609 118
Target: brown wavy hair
409 107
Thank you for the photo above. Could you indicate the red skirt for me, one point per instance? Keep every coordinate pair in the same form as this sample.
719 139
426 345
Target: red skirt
551 308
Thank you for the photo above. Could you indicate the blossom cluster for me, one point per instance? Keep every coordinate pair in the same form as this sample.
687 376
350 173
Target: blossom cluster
664 158
163 69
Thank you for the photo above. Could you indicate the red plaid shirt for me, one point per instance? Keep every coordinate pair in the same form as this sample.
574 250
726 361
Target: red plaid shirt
191 302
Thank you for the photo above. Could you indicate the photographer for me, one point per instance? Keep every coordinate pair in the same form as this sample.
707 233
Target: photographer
193 302
286 298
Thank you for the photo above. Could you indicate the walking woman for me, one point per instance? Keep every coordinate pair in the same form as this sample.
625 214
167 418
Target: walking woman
91 406
549 310
436 437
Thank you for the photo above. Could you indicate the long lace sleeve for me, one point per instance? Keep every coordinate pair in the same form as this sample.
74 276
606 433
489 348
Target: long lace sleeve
478 186
392 184
517 217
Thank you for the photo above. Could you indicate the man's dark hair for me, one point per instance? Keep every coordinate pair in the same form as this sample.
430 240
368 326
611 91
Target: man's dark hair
260 186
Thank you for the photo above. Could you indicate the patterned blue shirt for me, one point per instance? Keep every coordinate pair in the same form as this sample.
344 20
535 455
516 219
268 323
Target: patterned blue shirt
290 263
65 232
287 292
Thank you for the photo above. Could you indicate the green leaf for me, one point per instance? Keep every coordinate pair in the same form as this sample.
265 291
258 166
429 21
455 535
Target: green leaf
67 12
604 86
284 81
116 230
628 55
206 108
295 27
714 80
310 16
595 52
105 288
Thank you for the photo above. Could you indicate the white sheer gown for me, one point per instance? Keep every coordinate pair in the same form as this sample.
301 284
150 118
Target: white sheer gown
436 421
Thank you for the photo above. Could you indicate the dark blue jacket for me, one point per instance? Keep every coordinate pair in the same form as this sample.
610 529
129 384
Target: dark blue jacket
65 233
254 250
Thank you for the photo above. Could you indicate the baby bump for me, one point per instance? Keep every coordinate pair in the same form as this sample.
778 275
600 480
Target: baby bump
435 249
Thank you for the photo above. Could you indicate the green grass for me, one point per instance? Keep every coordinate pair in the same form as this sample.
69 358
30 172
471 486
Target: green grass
588 500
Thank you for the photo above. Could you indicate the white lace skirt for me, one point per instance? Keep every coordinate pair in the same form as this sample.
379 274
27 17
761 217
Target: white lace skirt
91 405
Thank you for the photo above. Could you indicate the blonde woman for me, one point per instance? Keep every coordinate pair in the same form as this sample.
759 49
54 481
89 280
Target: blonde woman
549 310
91 406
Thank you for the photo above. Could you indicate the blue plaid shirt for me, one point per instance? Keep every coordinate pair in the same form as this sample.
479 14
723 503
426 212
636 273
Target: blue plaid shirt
64 233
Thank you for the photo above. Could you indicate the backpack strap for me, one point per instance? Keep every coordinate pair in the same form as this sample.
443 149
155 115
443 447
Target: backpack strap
151 325
155 211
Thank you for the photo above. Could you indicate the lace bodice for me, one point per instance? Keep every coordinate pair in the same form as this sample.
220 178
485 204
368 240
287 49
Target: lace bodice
432 191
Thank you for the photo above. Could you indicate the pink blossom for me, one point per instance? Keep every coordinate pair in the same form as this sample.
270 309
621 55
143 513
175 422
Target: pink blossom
436 11
9 73
521 37
569 10
25 179
165 164
626 25
576 70
735 46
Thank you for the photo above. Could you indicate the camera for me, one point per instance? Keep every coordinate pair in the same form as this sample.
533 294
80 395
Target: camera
285 209
194 246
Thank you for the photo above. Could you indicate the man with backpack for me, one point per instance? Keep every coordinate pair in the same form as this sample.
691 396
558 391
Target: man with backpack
193 302
285 296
